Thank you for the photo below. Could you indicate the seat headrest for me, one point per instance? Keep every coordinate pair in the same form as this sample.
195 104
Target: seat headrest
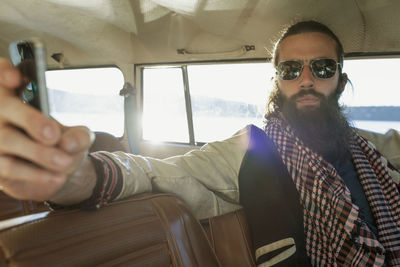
106 142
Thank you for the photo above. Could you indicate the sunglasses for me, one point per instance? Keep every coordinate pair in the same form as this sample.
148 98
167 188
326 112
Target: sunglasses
321 68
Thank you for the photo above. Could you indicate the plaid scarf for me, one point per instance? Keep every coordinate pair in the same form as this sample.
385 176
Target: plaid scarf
335 233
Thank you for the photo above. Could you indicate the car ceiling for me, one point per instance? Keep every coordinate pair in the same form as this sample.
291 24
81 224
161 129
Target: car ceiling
148 31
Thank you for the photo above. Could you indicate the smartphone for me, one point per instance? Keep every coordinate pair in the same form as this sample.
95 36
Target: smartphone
30 57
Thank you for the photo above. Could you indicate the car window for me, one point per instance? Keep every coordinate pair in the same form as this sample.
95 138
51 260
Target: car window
88 97
164 112
223 99
226 97
373 101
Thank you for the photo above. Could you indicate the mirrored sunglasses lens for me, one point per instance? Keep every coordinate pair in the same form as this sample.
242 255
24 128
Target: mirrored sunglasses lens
324 68
289 70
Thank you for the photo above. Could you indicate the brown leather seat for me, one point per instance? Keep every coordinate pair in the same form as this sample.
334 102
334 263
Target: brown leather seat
151 230
155 230
106 142
11 207
229 237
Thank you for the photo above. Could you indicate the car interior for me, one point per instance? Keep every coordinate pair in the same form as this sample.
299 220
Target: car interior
173 70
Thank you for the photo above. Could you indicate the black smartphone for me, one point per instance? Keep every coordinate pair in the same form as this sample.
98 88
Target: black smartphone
30 57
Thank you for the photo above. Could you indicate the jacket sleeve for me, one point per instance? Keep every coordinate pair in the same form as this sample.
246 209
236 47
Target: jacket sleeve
206 178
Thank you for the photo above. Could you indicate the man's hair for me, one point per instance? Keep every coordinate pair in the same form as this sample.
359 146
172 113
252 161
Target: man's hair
276 98
305 27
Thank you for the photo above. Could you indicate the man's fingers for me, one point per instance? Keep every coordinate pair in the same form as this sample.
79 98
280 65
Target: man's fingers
10 78
36 153
12 168
20 115
76 139
17 144
27 118
26 181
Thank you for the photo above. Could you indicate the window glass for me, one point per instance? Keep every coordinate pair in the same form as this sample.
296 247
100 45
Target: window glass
227 97
164 111
373 102
88 97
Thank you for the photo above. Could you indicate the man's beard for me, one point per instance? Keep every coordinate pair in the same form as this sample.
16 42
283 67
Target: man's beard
324 129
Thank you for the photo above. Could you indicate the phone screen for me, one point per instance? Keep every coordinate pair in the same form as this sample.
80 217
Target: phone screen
29 57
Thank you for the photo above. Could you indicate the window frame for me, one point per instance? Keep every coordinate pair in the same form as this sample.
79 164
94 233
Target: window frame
138 76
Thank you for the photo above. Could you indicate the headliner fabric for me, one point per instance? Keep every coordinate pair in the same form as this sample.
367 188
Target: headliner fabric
148 31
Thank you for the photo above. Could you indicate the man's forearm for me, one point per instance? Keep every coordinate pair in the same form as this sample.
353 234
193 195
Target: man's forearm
79 186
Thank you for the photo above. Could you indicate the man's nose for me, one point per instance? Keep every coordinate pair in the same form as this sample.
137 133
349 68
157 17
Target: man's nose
306 78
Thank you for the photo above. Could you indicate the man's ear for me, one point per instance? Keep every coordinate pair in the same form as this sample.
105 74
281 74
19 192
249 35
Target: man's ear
343 82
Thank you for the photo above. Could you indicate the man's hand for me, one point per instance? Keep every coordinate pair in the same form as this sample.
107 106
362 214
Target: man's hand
39 158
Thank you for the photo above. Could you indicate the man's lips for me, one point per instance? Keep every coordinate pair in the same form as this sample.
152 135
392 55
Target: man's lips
308 99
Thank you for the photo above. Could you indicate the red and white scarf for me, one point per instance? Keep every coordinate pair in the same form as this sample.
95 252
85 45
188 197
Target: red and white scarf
335 233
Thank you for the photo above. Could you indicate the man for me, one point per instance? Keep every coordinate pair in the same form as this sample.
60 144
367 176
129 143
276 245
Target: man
314 191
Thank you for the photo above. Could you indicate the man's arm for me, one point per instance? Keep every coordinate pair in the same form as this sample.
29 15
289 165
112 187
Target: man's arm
206 178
